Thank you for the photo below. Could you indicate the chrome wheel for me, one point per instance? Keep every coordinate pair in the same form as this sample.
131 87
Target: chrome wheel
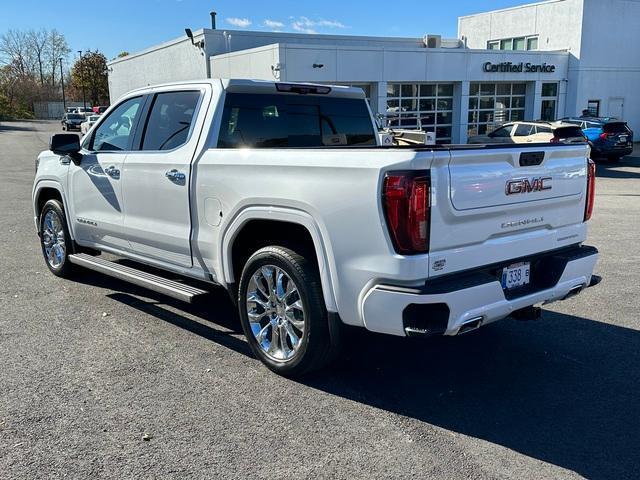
275 312
53 241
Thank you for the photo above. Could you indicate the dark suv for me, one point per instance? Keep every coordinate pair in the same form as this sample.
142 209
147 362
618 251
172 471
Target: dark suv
72 121
609 138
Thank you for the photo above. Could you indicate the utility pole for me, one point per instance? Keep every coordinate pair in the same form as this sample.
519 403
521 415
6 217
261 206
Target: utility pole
64 99
84 98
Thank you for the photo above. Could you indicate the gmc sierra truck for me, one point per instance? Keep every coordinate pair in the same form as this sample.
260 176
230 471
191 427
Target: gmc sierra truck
283 195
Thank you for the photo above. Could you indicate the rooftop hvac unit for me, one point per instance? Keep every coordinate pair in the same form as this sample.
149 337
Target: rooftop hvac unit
432 41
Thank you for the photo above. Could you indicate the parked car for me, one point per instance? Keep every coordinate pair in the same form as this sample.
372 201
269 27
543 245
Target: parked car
283 195
532 132
88 123
609 137
72 121
85 111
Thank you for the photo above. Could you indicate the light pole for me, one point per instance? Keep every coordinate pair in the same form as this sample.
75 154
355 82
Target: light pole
64 99
84 98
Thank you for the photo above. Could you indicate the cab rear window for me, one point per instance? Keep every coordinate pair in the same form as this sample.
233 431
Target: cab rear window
281 121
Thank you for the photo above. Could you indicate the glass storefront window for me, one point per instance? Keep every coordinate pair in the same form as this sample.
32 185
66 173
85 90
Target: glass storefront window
549 89
492 104
519 43
429 105
549 106
548 110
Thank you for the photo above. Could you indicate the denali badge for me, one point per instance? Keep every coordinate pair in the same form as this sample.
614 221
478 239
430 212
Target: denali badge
524 185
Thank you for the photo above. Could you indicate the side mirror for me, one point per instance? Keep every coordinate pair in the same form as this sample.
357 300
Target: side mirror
66 144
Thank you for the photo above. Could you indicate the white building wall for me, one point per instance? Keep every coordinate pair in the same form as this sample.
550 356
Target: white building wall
173 61
558 24
609 66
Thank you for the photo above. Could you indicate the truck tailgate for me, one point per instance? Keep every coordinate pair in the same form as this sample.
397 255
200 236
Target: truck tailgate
494 204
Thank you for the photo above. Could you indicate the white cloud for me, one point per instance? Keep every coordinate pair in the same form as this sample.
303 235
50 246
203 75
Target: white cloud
331 24
306 25
273 24
239 22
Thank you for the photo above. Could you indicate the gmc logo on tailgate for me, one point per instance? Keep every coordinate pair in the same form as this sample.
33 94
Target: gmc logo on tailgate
524 185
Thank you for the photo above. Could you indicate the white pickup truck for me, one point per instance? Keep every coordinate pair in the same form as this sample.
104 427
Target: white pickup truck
283 195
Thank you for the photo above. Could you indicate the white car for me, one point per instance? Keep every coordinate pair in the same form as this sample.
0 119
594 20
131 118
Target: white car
283 195
532 132
88 123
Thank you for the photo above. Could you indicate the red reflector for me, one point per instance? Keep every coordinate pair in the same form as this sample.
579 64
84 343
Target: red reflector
407 208
591 190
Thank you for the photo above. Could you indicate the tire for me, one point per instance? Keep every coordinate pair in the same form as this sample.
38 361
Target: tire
55 240
64 128
614 158
293 312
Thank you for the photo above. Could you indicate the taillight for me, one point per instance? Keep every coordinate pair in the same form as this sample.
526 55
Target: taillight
407 206
591 189
555 140
605 136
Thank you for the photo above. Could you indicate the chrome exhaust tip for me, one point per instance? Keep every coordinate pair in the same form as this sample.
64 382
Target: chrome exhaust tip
574 291
470 326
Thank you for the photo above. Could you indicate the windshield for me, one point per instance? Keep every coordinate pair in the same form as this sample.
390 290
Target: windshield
75 116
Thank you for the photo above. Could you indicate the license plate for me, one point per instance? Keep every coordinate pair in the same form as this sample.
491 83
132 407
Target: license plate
516 275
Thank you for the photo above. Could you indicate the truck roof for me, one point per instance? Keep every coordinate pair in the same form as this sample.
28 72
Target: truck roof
264 86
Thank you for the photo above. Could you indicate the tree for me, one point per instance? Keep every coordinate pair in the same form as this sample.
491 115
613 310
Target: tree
29 62
123 54
90 73
37 42
57 48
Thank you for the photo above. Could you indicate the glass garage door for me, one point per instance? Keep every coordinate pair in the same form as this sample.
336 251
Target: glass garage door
492 104
430 106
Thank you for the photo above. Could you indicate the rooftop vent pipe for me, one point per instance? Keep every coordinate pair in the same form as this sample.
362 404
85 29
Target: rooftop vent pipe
213 19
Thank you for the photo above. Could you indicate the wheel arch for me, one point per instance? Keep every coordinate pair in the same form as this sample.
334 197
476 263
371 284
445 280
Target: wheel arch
44 191
275 215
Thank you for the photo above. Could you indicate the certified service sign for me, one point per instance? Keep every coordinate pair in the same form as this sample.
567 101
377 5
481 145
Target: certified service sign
508 67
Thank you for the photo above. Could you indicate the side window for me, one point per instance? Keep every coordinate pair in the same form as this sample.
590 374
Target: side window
541 129
170 120
504 132
115 132
523 130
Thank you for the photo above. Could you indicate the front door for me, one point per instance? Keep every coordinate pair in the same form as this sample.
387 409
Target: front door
155 180
95 184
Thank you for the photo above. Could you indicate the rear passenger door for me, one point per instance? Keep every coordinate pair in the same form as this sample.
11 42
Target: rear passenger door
156 176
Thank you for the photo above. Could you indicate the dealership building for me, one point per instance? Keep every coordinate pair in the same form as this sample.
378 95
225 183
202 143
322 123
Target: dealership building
543 61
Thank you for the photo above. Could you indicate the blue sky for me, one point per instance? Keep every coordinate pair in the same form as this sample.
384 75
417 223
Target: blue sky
116 25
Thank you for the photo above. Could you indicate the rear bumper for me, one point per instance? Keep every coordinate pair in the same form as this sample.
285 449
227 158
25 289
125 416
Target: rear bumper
448 306
612 150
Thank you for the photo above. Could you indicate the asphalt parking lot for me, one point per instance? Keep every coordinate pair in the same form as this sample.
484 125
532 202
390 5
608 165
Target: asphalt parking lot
102 379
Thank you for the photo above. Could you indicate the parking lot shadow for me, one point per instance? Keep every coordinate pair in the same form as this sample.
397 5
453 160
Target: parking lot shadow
628 167
12 127
563 390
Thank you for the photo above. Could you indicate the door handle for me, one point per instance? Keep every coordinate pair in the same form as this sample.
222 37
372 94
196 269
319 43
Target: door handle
112 171
175 175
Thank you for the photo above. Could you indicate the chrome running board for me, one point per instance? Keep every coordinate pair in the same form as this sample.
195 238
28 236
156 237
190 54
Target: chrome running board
176 290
